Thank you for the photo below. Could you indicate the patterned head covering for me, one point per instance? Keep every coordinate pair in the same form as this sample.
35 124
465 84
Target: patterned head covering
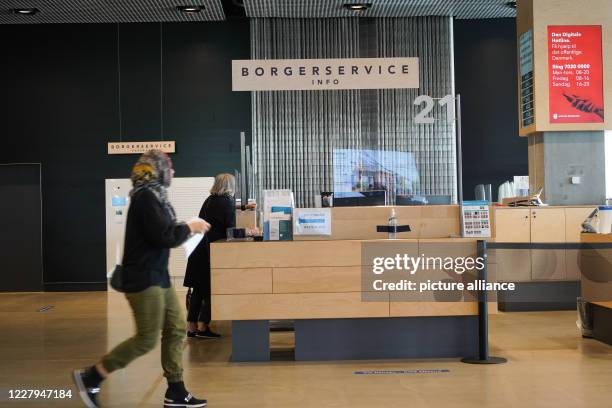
153 172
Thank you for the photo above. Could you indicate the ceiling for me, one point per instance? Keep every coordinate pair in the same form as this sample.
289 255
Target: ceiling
108 11
135 11
380 8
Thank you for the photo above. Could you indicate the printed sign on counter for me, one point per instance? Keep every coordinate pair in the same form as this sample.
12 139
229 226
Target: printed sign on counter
575 74
312 221
475 219
278 206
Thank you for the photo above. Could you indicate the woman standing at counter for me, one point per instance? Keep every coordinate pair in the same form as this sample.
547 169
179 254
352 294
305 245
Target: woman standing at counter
219 210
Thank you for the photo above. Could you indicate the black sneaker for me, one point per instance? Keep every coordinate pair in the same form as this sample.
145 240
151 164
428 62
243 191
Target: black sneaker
207 334
187 402
88 390
192 333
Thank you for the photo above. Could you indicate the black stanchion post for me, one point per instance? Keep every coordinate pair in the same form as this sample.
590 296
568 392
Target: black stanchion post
483 316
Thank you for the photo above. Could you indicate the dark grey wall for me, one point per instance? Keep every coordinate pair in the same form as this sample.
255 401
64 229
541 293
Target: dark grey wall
485 75
60 106
20 228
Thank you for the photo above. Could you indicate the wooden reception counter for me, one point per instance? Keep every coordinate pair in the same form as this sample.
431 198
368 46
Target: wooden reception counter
309 279
316 281
536 247
596 282
319 285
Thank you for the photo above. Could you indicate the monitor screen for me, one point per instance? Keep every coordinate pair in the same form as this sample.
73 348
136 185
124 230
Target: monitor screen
358 171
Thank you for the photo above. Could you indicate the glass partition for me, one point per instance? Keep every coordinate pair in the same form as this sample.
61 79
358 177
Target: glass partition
401 144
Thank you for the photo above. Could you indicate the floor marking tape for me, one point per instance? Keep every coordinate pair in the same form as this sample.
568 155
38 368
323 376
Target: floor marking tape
382 372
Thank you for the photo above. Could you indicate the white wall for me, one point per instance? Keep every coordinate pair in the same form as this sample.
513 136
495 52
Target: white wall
186 195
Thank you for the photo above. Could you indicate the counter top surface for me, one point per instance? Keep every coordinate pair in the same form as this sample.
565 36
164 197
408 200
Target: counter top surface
591 238
327 241
534 207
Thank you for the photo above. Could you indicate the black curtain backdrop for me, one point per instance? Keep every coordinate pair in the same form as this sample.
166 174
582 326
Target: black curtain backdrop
485 76
60 107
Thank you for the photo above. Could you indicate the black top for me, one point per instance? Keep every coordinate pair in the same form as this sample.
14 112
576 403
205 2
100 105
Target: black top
149 234
220 212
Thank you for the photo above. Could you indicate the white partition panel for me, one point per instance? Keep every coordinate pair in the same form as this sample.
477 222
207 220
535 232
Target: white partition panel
186 195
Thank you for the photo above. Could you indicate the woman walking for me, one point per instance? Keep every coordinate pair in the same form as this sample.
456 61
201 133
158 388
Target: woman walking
151 230
219 210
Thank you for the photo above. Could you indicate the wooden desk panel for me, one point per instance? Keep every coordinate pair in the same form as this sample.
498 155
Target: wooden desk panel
574 218
440 221
595 270
241 281
512 225
317 279
427 221
297 306
292 254
595 238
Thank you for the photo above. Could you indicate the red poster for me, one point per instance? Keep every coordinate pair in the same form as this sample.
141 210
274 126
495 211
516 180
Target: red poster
575 74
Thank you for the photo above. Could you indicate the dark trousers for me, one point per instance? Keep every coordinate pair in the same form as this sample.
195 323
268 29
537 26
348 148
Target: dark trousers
199 307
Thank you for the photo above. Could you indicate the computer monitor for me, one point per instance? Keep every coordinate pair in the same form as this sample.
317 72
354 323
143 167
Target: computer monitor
423 200
359 198
438 199
410 200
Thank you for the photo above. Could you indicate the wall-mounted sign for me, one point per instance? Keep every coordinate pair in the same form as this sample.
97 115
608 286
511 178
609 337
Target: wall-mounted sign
323 74
526 74
166 146
575 74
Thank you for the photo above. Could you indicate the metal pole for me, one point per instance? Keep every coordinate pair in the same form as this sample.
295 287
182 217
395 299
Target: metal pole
248 174
483 315
483 308
458 153
243 193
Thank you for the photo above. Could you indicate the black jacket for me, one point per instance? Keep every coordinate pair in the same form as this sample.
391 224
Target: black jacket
149 235
220 212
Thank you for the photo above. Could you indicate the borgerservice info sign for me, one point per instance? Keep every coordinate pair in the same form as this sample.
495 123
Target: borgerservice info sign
322 74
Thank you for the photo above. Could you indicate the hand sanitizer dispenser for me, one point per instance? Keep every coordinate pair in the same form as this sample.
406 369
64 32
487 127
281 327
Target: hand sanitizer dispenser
392 225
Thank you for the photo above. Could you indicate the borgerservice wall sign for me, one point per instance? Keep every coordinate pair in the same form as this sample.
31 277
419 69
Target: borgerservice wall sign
166 146
325 74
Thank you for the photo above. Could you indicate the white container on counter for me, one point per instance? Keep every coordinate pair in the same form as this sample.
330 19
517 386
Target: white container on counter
605 219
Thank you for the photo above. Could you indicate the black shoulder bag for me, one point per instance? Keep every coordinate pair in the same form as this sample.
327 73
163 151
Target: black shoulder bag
116 279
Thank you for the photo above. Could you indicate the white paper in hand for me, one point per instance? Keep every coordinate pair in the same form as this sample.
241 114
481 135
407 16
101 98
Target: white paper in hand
191 244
